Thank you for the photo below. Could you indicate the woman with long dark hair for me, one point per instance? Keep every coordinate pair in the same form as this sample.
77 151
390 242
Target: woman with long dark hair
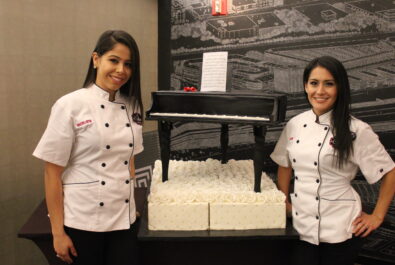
324 147
88 147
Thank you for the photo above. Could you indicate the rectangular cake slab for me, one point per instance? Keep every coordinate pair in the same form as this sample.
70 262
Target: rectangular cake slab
181 217
240 216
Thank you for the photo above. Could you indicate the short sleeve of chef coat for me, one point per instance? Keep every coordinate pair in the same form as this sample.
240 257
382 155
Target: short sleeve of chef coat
280 154
370 155
57 141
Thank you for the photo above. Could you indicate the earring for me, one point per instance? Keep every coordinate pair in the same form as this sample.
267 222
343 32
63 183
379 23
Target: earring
94 67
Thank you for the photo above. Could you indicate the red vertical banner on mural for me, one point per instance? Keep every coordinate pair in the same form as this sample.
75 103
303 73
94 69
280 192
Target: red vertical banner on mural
219 7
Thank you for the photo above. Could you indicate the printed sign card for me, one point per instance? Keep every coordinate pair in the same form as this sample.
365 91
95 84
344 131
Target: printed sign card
214 71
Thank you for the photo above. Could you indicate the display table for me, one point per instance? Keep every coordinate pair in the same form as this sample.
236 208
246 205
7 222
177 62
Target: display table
174 247
264 247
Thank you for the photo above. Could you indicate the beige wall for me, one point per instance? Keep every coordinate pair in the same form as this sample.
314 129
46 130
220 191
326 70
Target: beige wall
44 52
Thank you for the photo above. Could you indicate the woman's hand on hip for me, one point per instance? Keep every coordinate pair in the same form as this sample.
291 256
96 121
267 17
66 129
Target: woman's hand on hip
63 247
365 224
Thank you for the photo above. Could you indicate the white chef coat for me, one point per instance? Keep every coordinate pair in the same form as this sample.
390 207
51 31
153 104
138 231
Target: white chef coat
94 139
324 204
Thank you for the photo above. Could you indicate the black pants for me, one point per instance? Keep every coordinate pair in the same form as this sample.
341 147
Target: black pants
105 248
344 253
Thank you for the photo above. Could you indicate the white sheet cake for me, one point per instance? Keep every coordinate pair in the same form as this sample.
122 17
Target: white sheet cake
201 195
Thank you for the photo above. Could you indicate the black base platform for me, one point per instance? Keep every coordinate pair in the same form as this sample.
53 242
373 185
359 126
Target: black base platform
263 247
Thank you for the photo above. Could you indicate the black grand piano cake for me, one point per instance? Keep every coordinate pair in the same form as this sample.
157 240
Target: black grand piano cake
245 197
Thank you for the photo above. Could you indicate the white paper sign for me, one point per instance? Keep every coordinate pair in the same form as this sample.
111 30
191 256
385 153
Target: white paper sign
214 71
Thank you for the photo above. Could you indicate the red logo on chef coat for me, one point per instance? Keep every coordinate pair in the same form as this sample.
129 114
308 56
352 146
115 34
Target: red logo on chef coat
83 123
291 138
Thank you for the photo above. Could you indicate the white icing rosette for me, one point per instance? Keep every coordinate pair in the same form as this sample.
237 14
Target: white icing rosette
212 182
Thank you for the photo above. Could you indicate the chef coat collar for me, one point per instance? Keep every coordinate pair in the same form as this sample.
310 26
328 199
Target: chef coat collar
322 119
98 91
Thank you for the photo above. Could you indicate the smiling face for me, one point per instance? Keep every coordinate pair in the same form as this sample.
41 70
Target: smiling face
321 90
113 68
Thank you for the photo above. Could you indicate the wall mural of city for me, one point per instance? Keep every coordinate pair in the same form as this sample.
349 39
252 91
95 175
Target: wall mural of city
269 43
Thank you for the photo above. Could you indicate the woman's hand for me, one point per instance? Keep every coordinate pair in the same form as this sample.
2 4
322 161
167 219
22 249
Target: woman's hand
365 224
63 247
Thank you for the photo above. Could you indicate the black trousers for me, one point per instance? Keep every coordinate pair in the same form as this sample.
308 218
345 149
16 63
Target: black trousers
344 253
105 248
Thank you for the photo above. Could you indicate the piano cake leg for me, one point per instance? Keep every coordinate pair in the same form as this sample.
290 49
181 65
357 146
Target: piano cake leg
164 129
259 133
224 142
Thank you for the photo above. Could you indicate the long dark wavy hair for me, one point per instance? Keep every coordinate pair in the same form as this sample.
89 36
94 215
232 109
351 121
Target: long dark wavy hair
131 88
341 110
